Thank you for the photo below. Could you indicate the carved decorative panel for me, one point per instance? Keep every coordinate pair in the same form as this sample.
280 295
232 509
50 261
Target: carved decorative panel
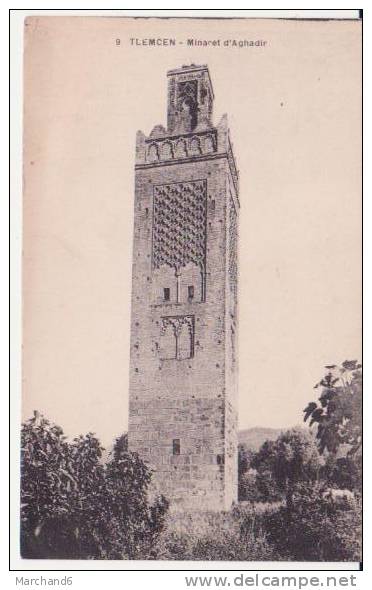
177 337
179 224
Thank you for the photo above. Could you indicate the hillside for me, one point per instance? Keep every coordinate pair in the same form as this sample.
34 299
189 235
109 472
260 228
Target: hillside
253 438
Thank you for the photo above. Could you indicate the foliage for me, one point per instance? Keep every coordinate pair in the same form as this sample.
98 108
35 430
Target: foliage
255 484
47 486
343 472
267 489
246 476
245 456
224 536
339 414
258 486
75 507
290 459
138 523
318 527
120 445
247 490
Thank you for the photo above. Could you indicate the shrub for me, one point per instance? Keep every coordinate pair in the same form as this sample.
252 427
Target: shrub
318 527
291 459
344 472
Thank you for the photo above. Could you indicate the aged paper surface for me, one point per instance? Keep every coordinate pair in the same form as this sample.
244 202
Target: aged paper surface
292 91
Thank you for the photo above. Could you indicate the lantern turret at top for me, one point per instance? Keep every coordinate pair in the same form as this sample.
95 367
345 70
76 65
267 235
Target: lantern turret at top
190 99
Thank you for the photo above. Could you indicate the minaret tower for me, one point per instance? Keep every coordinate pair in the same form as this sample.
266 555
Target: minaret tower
184 316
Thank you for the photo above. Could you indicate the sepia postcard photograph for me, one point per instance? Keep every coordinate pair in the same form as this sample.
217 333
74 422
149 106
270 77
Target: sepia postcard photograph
191 291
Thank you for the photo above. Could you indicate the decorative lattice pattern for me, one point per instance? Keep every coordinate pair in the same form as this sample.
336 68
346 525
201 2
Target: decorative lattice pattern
179 224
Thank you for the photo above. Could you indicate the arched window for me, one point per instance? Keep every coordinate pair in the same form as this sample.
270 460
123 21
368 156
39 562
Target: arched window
166 152
208 144
189 113
188 103
152 154
195 146
180 151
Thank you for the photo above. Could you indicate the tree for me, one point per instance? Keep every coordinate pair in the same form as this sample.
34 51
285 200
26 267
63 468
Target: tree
137 521
47 483
343 472
88 497
339 413
245 455
120 445
255 479
245 478
291 459
75 506
267 489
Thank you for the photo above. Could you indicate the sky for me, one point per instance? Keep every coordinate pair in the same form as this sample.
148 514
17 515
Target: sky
294 111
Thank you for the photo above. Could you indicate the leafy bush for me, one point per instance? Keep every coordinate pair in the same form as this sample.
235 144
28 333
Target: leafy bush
293 457
73 506
339 414
259 486
317 527
344 472
270 474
